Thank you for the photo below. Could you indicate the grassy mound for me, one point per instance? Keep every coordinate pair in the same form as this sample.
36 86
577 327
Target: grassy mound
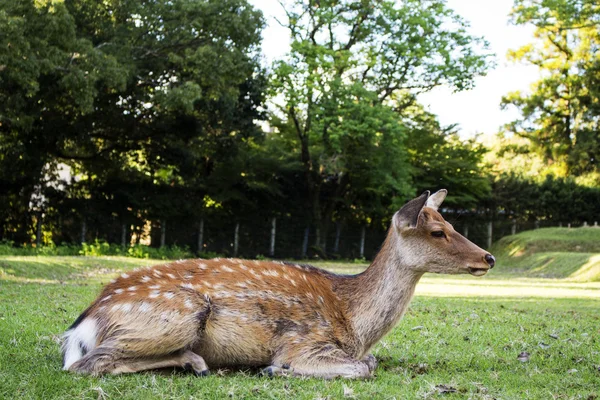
567 253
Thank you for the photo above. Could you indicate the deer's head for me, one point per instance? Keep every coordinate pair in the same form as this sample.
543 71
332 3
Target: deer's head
430 244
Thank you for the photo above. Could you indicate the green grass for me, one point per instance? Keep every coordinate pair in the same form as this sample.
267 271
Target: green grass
459 332
559 253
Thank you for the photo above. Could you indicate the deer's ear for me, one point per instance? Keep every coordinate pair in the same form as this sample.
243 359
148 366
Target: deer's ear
435 200
408 215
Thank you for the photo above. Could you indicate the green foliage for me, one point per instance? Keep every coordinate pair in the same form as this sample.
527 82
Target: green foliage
340 98
102 248
559 115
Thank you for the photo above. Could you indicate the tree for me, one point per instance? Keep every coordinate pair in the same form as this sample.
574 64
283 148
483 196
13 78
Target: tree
125 90
560 116
351 62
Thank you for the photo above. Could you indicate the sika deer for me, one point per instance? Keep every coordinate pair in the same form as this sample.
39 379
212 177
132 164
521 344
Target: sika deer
295 319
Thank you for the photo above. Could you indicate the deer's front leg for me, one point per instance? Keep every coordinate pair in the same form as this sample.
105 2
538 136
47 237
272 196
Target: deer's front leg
322 363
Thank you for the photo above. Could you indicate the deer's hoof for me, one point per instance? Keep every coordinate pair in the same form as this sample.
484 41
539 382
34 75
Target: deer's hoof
371 362
189 367
273 370
202 373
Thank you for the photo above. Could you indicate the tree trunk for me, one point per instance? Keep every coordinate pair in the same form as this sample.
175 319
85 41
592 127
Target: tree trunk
38 234
163 232
513 228
362 241
318 237
236 238
305 243
123 235
83 232
338 232
273 233
200 244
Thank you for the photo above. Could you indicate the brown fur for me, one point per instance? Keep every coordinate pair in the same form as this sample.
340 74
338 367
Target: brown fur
232 312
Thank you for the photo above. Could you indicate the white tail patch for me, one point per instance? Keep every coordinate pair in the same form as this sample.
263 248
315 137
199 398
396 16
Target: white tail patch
79 341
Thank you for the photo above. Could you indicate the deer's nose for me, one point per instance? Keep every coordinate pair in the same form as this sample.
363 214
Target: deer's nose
490 260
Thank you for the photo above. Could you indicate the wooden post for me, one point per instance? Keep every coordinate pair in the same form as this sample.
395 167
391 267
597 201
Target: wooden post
585 223
236 238
200 244
163 232
123 235
466 231
83 231
362 242
273 233
318 237
569 225
38 234
513 227
305 242
338 232
489 234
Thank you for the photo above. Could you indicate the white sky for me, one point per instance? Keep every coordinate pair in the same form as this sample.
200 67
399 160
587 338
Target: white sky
477 110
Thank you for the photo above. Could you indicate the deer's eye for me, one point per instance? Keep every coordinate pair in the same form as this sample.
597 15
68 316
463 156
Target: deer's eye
438 234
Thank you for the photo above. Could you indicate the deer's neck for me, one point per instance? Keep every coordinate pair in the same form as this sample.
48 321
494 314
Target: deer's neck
378 297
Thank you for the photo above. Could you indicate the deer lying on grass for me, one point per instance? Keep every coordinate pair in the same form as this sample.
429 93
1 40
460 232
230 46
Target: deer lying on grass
297 320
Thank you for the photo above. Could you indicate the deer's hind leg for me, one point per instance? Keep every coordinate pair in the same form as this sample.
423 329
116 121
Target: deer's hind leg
187 360
325 362
109 361
137 340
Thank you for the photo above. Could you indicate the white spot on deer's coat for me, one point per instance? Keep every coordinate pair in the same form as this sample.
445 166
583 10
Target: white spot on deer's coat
154 294
157 273
106 298
145 279
242 285
221 294
131 288
321 300
124 276
118 291
145 307
225 268
169 295
242 266
171 276
188 304
154 287
256 275
270 272
218 286
202 266
187 277
125 307
187 285
113 281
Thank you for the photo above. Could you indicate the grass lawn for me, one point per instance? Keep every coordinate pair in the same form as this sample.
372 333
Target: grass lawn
460 339
566 253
